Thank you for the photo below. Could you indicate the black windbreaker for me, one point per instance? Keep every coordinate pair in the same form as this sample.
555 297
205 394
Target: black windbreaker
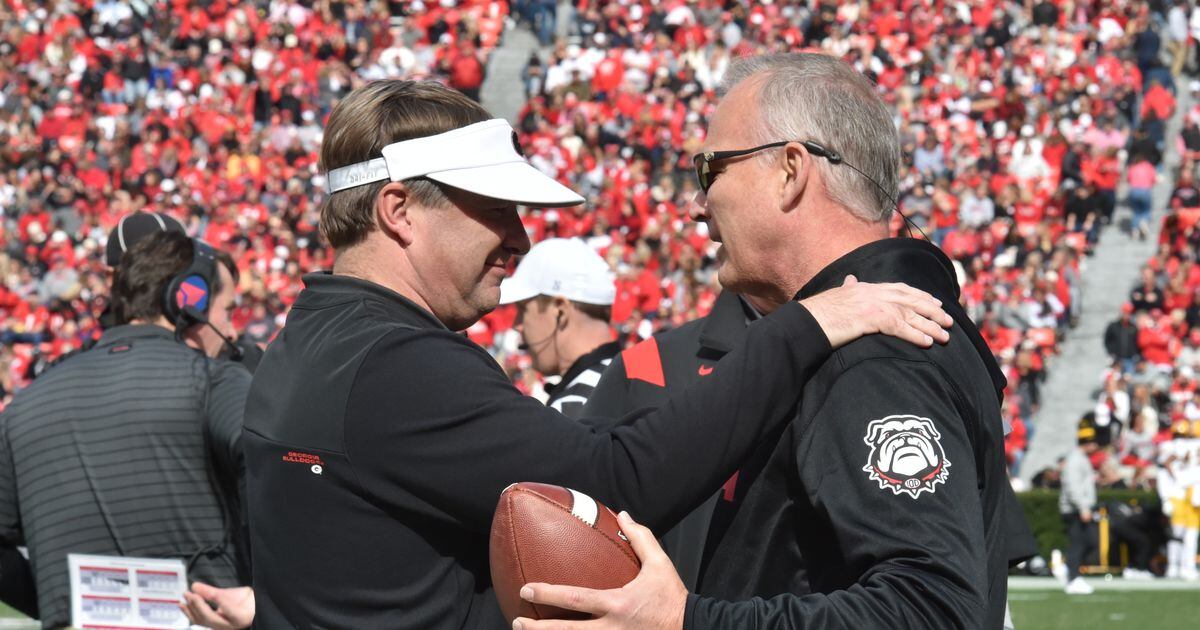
377 443
788 516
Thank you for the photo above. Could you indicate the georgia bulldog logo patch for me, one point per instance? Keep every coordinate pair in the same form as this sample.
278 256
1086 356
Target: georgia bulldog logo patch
906 455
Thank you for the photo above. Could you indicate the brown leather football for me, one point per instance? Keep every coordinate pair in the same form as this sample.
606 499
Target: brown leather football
544 533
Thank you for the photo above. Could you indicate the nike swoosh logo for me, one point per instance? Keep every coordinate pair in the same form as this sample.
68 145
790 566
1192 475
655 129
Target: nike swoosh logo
705 370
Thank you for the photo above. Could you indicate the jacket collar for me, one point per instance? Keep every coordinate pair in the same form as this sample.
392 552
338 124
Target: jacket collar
591 359
915 262
127 332
725 327
325 289
919 264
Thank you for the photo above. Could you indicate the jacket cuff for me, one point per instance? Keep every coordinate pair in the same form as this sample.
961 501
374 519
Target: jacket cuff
689 613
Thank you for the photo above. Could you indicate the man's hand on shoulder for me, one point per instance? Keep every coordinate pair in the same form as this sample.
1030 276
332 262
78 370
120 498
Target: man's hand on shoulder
856 309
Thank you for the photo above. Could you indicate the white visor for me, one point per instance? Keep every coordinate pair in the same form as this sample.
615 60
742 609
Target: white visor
482 158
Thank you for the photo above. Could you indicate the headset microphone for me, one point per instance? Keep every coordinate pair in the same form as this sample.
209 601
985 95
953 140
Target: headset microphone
524 346
187 296
235 351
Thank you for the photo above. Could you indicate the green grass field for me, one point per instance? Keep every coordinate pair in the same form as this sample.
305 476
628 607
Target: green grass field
1144 610
1053 610
10 618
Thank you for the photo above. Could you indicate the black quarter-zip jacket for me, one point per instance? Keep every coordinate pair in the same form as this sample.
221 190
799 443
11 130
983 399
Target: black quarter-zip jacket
377 443
888 487
688 354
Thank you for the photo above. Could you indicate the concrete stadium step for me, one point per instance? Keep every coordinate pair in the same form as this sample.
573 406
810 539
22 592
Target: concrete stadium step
1073 382
502 92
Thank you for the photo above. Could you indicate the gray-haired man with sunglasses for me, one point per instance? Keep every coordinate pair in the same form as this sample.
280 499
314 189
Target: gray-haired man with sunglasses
882 503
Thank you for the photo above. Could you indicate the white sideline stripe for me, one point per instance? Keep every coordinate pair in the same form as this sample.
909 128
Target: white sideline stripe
584 508
1025 583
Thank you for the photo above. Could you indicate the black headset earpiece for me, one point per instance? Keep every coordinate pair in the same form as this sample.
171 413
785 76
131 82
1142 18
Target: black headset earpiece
836 158
821 151
188 294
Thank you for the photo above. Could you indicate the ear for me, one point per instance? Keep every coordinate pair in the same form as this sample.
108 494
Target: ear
798 168
564 309
873 436
393 206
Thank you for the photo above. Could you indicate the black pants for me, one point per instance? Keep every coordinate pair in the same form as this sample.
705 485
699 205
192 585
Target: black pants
17 588
1133 531
1083 540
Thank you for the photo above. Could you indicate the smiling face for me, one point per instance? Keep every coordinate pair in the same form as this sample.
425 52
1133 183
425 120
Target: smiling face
460 251
743 206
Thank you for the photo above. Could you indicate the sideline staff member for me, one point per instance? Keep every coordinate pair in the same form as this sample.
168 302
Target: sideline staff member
109 453
882 503
564 293
378 440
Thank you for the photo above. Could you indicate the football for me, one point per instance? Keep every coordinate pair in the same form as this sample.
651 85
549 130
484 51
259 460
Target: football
545 533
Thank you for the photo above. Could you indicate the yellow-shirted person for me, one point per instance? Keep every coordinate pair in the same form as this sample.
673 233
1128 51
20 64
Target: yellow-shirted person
1179 489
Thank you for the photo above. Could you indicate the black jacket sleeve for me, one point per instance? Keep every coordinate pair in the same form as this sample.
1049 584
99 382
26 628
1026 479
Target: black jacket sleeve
11 533
17 588
435 426
16 582
917 548
229 384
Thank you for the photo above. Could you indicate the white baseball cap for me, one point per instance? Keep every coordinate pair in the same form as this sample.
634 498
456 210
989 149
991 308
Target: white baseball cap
564 267
483 158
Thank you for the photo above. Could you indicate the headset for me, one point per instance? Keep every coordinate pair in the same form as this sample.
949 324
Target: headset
553 336
188 295
186 300
836 158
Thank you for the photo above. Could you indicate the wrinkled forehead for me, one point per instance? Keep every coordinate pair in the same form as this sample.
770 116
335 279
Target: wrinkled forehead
735 122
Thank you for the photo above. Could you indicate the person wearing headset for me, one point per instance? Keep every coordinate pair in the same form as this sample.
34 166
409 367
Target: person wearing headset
132 228
564 292
132 448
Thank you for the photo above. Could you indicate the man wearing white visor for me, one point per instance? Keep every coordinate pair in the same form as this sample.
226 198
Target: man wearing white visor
564 293
483 158
378 440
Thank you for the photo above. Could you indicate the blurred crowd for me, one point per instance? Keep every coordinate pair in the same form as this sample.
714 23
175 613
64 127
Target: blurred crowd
1147 410
1024 124
209 111
1021 122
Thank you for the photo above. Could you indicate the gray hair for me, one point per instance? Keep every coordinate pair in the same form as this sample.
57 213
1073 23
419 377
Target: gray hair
815 97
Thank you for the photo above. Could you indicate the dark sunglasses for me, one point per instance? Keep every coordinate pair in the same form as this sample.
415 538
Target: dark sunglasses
703 161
